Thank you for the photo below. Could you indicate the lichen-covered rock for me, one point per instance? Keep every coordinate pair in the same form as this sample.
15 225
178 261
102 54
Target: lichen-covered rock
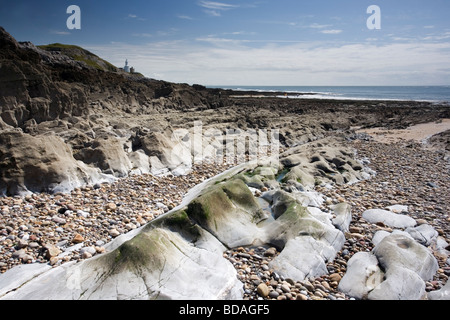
229 211
155 264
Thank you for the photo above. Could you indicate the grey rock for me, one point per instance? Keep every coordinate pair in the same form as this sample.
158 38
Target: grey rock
399 250
424 234
343 214
442 294
310 262
362 276
58 220
400 284
396 269
388 218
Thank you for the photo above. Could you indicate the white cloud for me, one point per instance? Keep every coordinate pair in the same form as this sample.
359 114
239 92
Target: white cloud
216 61
214 8
61 33
185 17
216 5
319 26
212 13
437 37
331 31
133 16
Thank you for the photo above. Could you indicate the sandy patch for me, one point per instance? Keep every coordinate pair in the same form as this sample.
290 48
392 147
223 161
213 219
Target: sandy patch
421 132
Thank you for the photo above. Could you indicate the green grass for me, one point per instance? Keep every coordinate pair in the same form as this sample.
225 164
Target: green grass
79 54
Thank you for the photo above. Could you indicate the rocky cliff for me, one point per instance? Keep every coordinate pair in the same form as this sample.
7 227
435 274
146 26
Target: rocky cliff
69 118
62 102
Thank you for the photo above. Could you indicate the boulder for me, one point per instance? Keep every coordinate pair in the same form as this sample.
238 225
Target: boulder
403 251
442 294
140 162
363 275
307 238
292 219
424 234
343 212
398 267
388 218
229 212
303 257
155 264
172 152
41 164
400 284
108 155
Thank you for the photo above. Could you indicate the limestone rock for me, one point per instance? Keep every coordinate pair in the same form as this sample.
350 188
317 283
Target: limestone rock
146 267
362 276
303 257
229 211
406 266
442 294
399 250
40 164
424 234
107 154
168 149
388 218
400 284
343 216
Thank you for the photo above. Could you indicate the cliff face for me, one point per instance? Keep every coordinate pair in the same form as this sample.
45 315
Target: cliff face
57 82
69 118
76 98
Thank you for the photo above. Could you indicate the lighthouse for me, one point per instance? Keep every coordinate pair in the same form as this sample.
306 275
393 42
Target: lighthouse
126 68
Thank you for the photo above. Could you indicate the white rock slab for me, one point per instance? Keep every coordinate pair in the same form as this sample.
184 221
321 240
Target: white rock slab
362 276
388 218
442 294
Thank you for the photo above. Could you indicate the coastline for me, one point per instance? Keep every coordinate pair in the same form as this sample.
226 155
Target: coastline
432 94
420 133
71 227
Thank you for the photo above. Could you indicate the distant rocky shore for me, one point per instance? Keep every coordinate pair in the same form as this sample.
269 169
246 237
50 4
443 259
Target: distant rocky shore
123 188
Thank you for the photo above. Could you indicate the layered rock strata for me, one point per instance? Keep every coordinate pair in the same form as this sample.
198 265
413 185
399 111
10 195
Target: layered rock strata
164 258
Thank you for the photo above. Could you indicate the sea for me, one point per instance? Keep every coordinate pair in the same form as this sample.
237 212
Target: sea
434 94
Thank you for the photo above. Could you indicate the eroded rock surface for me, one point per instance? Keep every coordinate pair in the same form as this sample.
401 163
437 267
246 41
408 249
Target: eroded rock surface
180 254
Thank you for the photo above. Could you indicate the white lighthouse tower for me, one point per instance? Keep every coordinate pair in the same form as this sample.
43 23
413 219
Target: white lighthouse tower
126 68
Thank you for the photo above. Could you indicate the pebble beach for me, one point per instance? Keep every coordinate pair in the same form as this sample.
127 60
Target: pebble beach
408 174
55 229
59 228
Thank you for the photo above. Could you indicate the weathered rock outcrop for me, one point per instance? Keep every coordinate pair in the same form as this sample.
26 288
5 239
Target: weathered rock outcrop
64 123
180 254
70 92
41 164
398 266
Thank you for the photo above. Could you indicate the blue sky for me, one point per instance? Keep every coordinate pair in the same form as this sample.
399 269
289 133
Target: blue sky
267 42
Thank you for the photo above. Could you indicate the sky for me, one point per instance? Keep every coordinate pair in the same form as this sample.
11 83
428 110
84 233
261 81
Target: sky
260 42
